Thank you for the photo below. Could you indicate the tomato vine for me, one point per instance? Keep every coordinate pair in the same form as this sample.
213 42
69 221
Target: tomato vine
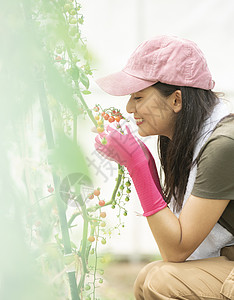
59 66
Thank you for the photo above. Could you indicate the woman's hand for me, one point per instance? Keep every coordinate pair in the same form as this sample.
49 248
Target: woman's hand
120 148
125 149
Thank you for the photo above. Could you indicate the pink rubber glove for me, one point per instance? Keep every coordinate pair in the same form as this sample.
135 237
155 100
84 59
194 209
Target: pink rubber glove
127 151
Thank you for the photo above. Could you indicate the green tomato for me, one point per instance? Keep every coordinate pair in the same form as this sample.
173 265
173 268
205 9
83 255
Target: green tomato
113 202
87 287
72 12
127 199
73 21
128 183
121 187
103 241
100 280
128 191
113 206
59 50
104 141
120 172
125 213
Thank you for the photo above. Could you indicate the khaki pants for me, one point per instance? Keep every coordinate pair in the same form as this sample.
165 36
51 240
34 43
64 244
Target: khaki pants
207 279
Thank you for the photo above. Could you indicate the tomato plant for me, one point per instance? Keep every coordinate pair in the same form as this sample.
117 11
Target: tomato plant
55 66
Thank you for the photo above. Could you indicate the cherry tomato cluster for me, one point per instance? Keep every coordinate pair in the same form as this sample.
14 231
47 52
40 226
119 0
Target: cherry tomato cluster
94 193
92 238
97 193
111 115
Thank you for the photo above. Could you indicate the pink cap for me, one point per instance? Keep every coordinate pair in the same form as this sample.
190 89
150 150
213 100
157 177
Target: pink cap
167 59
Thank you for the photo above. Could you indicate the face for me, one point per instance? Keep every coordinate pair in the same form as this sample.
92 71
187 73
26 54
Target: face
154 114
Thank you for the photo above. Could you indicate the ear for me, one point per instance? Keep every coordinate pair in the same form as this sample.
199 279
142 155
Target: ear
177 101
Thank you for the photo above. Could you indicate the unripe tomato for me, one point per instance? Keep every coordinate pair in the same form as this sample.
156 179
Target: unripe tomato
100 122
73 21
121 171
59 50
127 199
102 202
128 183
91 238
97 117
111 119
100 280
100 129
103 224
72 12
103 241
104 141
87 287
96 192
103 214
125 213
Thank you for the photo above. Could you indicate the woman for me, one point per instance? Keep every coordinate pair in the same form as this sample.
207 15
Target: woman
192 216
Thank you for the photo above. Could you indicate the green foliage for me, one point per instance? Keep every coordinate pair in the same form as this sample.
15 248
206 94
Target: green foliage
45 66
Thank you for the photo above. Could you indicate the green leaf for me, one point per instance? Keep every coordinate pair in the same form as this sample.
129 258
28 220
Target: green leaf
75 73
86 92
84 79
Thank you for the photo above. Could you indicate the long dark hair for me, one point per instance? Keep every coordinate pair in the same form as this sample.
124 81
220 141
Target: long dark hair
176 155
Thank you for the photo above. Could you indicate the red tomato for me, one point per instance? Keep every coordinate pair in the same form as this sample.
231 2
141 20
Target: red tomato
106 117
117 119
96 192
102 202
111 119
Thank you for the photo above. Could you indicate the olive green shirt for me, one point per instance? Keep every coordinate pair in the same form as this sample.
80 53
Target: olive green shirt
215 170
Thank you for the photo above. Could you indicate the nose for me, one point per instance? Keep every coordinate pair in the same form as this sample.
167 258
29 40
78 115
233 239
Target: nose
130 107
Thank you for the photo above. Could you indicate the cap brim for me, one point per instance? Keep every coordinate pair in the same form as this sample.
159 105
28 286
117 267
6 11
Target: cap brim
121 84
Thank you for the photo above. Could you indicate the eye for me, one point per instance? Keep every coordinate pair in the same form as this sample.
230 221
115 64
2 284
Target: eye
137 98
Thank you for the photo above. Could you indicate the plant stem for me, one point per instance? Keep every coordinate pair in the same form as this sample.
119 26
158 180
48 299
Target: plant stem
60 204
83 247
94 208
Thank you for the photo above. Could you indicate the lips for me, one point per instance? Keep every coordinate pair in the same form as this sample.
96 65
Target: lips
139 121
